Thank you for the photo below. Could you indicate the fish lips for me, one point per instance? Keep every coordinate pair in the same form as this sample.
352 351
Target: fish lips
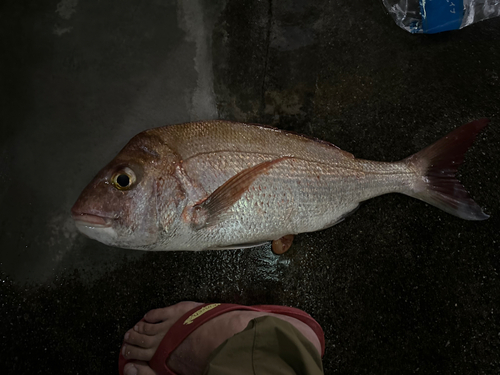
96 227
92 221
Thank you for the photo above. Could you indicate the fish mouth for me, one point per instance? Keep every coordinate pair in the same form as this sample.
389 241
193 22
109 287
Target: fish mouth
92 221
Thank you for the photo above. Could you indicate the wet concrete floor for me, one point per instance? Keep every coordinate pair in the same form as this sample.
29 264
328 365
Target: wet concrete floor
399 287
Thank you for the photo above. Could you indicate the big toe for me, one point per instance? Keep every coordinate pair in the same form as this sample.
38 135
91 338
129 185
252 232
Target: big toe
173 312
138 368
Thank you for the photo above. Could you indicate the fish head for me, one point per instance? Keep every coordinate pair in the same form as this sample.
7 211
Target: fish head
119 206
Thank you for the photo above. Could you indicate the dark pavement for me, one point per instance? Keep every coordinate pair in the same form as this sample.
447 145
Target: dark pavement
399 287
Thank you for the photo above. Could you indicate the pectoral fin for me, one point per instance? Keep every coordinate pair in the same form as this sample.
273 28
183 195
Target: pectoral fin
211 210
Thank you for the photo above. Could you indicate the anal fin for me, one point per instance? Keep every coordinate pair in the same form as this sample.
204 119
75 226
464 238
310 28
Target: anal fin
239 246
342 217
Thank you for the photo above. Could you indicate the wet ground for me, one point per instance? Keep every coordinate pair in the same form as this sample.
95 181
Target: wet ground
399 287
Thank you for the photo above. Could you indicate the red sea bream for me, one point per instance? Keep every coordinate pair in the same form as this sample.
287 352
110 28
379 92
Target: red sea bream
220 184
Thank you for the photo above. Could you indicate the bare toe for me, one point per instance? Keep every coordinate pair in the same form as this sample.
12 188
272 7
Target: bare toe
134 352
138 368
166 313
149 329
141 340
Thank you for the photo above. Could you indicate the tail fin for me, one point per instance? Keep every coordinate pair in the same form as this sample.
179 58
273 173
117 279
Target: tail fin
439 164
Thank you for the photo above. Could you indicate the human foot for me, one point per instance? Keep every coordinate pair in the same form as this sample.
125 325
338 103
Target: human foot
190 356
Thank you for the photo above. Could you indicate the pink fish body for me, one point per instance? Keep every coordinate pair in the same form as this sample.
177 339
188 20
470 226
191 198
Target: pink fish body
220 184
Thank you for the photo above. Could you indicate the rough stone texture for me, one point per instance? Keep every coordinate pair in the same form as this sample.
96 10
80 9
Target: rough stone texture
399 287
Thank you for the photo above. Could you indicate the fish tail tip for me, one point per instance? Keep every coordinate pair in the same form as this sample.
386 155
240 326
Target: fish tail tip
439 164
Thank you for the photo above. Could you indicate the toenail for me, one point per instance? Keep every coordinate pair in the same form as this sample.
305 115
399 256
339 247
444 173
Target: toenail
136 328
127 335
130 370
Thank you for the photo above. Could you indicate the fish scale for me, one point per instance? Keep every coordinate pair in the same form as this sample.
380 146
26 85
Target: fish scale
220 184
312 204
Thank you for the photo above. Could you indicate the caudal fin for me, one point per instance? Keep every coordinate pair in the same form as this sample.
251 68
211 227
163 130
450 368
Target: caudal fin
439 164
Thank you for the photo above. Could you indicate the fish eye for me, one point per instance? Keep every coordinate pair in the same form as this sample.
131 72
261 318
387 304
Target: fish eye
123 179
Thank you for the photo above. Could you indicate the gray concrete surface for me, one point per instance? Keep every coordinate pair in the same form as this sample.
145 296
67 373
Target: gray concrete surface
399 287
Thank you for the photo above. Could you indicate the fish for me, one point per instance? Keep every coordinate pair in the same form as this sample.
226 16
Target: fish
226 185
